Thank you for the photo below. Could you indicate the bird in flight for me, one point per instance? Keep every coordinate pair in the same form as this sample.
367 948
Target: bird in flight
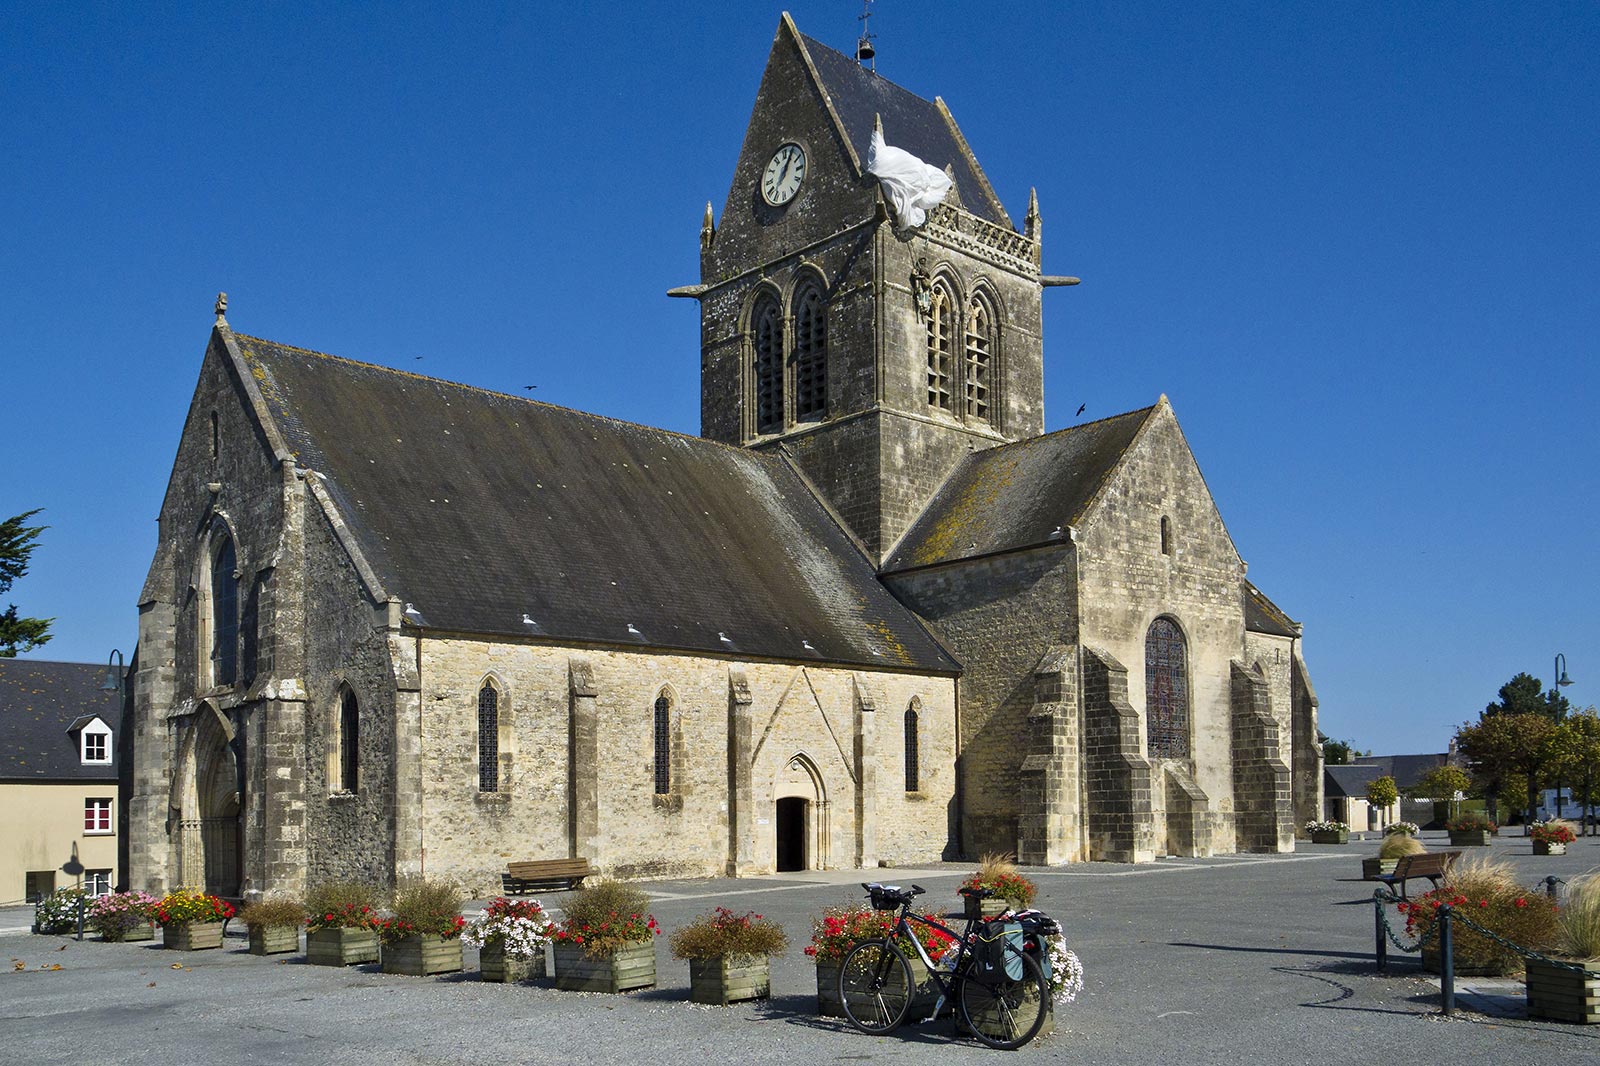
1081 406
530 386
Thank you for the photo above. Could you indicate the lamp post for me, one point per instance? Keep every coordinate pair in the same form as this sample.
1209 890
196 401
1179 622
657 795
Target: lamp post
1561 682
116 673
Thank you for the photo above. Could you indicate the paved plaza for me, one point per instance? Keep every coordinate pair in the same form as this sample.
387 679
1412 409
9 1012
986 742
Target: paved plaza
1230 960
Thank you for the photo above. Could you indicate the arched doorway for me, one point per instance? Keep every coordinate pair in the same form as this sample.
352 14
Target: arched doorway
791 829
211 853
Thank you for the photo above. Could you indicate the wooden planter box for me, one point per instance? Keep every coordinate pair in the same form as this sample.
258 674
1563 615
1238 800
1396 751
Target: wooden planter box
730 979
422 954
142 931
1371 868
274 939
1341 837
1469 838
1545 847
1431 961
341 947
996 1026
192 936
623 970
829 1005
1565 995
986 908
495 965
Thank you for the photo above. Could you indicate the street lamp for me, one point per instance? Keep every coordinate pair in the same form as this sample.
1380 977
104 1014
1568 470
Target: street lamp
1561 682
116 672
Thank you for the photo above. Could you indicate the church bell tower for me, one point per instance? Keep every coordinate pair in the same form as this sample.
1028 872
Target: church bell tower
873 355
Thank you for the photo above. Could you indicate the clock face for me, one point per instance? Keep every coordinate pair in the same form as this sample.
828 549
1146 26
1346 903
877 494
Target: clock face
783 175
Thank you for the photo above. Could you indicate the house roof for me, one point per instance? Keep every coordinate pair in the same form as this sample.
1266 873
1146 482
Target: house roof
41 706
481 509
924 128
1017 495
1261 615
1350 781
1406 770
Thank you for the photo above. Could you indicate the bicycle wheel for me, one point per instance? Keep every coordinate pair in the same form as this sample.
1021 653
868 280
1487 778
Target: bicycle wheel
1009 1014
875 986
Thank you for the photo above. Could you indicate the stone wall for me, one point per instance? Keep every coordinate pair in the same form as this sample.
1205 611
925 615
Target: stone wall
1263 804
1117 777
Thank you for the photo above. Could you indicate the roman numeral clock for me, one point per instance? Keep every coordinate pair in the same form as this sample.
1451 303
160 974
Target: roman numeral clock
784 173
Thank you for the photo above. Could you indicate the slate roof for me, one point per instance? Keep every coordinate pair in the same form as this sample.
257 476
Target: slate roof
919 126
1350 781
1261 615
39 702
479 508
1406 770
1014 496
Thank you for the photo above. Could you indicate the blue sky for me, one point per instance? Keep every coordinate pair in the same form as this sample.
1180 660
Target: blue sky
1355 244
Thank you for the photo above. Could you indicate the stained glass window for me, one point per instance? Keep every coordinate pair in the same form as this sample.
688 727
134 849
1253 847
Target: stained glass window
663 746
488 739
912 743
1166 691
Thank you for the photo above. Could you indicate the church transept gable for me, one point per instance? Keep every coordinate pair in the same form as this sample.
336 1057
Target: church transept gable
797 713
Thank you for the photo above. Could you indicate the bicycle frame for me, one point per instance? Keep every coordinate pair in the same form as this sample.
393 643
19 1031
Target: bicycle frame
947 990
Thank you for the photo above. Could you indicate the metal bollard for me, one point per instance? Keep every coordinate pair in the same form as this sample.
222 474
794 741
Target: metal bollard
1382 949
1550 884
1447 962
81 903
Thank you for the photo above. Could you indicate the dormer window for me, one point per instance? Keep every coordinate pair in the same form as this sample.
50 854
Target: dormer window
94 740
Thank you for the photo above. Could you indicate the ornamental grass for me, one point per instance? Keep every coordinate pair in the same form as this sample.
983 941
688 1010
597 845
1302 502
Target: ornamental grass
342 905
1399 845
1580 919
274 912
604 916
423 907
1485 892
722 933
1000 875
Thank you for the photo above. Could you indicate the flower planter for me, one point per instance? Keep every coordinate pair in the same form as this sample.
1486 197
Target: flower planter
192 936
495 965
341 947
730 979
622 970
422 954
829 1005
1372 868
1548 847
1342 836
140 932
992 907
1562 994
274 939
996 1026
1469 838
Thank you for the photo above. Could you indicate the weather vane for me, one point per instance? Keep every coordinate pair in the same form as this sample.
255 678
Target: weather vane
864 49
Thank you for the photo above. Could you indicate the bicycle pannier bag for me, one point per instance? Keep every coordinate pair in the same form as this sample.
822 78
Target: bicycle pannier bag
992 963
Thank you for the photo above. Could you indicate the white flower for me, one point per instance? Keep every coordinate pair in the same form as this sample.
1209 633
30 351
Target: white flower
520 938
1066 972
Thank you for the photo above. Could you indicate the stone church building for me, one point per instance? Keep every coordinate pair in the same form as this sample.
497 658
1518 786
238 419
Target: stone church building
396 625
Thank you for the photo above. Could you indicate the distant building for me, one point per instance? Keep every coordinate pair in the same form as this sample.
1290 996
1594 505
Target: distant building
60 814
1407 771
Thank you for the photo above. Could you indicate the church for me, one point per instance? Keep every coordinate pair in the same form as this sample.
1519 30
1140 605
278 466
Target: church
872 615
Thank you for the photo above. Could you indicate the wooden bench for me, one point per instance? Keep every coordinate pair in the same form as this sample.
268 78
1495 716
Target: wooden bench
524 877
1432 865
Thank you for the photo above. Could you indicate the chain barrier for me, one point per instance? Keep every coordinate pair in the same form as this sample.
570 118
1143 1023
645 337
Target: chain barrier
1380 899
1527 953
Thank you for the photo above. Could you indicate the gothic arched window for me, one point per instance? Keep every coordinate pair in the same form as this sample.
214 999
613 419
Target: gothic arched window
979 359
663 745
913 742
1166 691
941 338
767 326
349 740
488 739
810 354
224 603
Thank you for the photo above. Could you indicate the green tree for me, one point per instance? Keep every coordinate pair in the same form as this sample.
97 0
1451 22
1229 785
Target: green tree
1382 793
1442 784
17 541
1584 760
1338 752
1524 694
1501 745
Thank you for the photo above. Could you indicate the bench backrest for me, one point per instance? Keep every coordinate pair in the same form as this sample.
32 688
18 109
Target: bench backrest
1429 864
549 868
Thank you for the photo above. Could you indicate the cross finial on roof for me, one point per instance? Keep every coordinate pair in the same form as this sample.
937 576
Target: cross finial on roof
222 307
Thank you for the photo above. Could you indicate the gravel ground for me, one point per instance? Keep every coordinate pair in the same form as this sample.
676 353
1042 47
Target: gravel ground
1231 960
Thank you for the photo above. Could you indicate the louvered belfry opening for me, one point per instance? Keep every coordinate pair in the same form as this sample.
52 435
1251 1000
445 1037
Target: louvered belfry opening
768 325
979 345
810 355
941 337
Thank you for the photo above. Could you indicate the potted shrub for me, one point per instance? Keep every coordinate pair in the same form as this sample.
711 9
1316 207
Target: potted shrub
607 943
192 920
729 956
1470 830
1552 837
58 912
1486 893
1000 875
274 925
510 937
424 935
1395 846
833 933
341 929
124 916
1567 988
1328 832
1395 828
